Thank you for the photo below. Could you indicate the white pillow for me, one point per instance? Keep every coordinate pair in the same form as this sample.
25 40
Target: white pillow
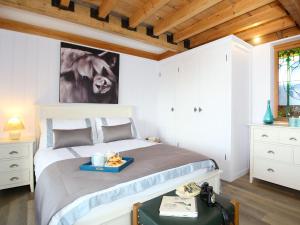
47 138
113 121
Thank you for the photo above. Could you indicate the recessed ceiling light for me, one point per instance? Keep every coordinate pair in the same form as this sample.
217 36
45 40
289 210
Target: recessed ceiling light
257 40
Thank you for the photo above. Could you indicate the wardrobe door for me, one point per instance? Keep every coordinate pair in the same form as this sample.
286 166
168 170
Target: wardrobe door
186 100
211 132
166 108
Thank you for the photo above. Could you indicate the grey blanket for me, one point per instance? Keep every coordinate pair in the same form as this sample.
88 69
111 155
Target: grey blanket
62 182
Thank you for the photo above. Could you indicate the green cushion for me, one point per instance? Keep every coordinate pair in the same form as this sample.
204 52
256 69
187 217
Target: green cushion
149 213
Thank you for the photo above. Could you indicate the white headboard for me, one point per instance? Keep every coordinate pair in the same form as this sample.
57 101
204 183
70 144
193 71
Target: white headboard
79 111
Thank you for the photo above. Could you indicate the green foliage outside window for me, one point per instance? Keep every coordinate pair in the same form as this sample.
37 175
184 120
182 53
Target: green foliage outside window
289 83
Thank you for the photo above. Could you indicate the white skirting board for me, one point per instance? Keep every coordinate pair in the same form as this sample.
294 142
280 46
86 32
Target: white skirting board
119 212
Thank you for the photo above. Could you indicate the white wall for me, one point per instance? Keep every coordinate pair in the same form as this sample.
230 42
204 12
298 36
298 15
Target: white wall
261 80
262 83
29 75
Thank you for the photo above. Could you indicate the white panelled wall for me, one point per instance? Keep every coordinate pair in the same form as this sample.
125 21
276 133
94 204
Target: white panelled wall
29 75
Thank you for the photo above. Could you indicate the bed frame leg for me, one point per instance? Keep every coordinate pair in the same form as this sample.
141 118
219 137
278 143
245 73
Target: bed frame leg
135 214
236 206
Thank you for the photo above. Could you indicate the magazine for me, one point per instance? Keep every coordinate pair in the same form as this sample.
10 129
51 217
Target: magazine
176 206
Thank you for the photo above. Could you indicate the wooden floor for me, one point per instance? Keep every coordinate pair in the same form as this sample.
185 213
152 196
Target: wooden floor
17 206
262 203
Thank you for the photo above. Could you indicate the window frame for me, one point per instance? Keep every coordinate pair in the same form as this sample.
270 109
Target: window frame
277 48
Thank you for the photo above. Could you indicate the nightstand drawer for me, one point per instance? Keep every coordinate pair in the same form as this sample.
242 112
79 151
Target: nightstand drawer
13 164
290 137
13 150
268 135
14 177
282 153
277 173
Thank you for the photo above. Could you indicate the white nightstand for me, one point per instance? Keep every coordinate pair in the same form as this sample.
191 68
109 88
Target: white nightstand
16 163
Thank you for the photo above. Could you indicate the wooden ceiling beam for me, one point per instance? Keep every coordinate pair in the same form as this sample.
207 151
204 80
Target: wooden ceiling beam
165 55
106 7
287 45
236 9
254 18
63 36
186 12
81 15
293 7
274 36
145 11
65 3
267 28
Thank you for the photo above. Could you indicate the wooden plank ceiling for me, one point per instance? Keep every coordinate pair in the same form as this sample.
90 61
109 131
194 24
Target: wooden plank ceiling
176 25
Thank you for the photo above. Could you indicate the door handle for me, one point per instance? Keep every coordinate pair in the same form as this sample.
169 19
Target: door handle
14 178
264 136
271 152
199 109
195 109
14 165
293 139
270 170
13 152
172 109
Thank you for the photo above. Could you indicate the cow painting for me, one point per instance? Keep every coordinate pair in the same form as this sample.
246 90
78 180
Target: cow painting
88 75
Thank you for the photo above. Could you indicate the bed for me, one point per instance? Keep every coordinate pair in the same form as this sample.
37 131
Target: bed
118 210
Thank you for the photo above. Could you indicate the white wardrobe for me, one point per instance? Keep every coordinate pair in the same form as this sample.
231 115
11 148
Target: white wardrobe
203 103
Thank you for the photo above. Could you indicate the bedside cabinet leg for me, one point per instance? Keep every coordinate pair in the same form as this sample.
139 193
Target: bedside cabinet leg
236 206
135 213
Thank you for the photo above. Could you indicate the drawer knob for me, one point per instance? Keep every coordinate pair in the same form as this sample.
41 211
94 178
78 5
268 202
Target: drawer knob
271 152
13 152
264 136
293 139
14 178
13 165
270 170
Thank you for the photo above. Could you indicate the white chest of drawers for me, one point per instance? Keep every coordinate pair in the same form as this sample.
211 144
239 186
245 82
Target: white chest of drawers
275 155
16 163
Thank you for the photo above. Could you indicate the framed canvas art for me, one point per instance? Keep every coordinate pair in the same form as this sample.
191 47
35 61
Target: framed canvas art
88 75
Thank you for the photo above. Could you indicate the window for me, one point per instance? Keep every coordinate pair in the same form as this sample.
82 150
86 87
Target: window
287 80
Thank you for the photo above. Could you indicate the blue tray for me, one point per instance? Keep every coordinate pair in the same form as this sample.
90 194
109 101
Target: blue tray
89 167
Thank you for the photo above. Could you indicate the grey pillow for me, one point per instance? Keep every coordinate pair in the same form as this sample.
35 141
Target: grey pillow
71 138
118 132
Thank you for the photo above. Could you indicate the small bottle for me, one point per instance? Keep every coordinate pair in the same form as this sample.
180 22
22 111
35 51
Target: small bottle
268 118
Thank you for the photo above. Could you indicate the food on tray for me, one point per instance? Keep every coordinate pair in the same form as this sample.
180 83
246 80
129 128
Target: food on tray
115 158
115 161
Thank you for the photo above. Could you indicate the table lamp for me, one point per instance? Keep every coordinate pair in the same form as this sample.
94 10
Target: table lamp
14 126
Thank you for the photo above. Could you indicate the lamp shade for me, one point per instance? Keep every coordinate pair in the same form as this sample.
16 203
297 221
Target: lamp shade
14 123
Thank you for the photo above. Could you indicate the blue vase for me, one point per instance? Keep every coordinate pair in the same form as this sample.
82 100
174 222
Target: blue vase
268 118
